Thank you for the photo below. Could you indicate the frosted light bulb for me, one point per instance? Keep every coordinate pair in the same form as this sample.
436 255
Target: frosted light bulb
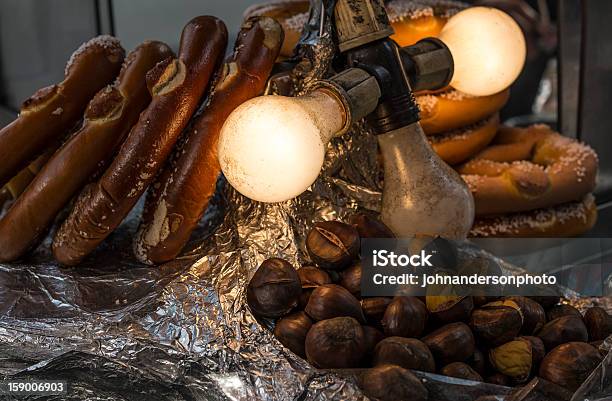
488 49
271 148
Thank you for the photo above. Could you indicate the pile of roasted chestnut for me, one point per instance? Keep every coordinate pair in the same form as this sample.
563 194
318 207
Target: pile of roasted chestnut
323 318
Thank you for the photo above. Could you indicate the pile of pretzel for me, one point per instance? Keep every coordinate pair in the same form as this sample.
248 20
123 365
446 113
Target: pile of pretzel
118 125
529 182
525 182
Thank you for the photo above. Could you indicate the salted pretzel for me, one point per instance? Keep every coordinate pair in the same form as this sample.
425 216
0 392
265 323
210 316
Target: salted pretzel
180 195
291 14
49 115
450 109
565 220
529 168
459 145
177 86
413 20
109 117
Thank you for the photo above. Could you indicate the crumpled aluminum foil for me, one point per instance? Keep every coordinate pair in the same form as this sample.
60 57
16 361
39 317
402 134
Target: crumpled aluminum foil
116 330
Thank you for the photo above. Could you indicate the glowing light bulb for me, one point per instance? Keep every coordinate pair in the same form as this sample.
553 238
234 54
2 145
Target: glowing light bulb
271 148
488 49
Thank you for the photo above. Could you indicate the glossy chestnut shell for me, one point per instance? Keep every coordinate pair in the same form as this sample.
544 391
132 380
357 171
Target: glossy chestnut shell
332 245
563 330
291 331
460 370
274 289
453 342
496 323
534 315
350 279
568 365
598 323
408 353
392 383
335 343
405 317
331 300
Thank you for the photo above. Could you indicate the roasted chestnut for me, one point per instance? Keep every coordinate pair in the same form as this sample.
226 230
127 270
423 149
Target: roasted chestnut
372 337
598 323
392 383
538 351
331 300
405 317
408 353
461 370
478 361
534 315
561 310
291 331
369 227
499 379
351 279
513 359
497 323
453 342
274 289
547 301
563 330
568 365
449 309
335 343
312 277
332 245
374 308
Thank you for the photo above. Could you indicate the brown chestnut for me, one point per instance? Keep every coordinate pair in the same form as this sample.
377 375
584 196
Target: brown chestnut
351 279
598 323
513 359
372 337
405 317
335 343
561 310
497 323
563 330
332 245
499 379
450 309
331 300
534 315
374 308
291 331
312 277
408 353
461 370
370 227
274 289
568 365
547 301
478 361
538 351
392 383
453 342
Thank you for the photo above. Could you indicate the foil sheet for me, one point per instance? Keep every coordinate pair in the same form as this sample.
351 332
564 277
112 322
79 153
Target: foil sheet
116 330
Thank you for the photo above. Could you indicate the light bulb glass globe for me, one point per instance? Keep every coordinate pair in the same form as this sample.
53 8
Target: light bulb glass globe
271 148
488 49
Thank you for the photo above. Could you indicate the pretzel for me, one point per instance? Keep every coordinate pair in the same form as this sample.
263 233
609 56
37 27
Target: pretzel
109 117
565 220
48 115
19 183
291 14
558 170
413 20
450 109
176 86
459 145
180 195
